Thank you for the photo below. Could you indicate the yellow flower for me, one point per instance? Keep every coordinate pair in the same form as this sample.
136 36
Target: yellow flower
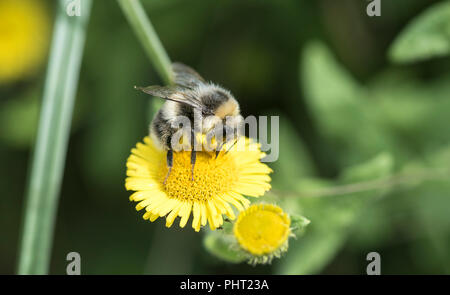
24 34
218 182
263 231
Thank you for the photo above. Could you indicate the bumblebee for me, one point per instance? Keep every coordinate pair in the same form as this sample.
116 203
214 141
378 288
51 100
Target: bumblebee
209 109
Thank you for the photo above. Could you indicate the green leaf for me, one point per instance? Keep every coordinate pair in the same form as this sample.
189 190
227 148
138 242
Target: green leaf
332 218
331 92
19 134
298 224
19 117
294 161
223 247
404 102
414 111
428 203
378 167
340 105
427 36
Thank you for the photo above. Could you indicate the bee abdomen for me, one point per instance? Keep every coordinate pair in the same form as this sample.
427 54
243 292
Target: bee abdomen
161 131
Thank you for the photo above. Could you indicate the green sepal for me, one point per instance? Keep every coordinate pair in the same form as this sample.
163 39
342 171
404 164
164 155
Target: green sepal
223 246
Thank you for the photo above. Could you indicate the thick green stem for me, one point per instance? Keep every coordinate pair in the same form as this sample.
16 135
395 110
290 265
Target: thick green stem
47 168
146 34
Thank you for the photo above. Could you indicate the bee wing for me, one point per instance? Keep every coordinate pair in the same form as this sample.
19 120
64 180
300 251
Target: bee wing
174 93
185 76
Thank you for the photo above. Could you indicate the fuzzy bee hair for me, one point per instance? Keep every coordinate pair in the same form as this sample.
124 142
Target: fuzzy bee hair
205 104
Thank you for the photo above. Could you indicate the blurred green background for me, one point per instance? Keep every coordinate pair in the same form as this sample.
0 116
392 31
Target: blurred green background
359 99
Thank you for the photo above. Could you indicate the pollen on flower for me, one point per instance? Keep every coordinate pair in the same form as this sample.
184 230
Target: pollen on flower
218 183
211 176
263 231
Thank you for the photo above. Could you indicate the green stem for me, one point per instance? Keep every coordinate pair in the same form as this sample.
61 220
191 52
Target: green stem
47 168
394 181
146 34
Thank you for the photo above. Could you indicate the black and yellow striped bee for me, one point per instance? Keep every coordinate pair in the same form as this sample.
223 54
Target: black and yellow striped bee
207 106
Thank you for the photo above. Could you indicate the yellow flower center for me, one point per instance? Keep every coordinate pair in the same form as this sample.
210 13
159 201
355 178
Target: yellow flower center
262 229
211 176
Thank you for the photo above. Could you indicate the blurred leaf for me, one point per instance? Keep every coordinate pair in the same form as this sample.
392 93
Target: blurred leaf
378 167
417 218
429 203
403 101
223 247
18 120
376 229
330 90
440 158
415 112
294 161
332 218
427 36
305 185
340 107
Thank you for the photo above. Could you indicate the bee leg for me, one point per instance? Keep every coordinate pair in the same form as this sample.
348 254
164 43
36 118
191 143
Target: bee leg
235 141
226 132
193 155
219 150
193 159
169 164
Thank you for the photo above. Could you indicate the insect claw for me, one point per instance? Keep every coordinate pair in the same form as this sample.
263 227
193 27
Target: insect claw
235 141
220 149
193 160
167 176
